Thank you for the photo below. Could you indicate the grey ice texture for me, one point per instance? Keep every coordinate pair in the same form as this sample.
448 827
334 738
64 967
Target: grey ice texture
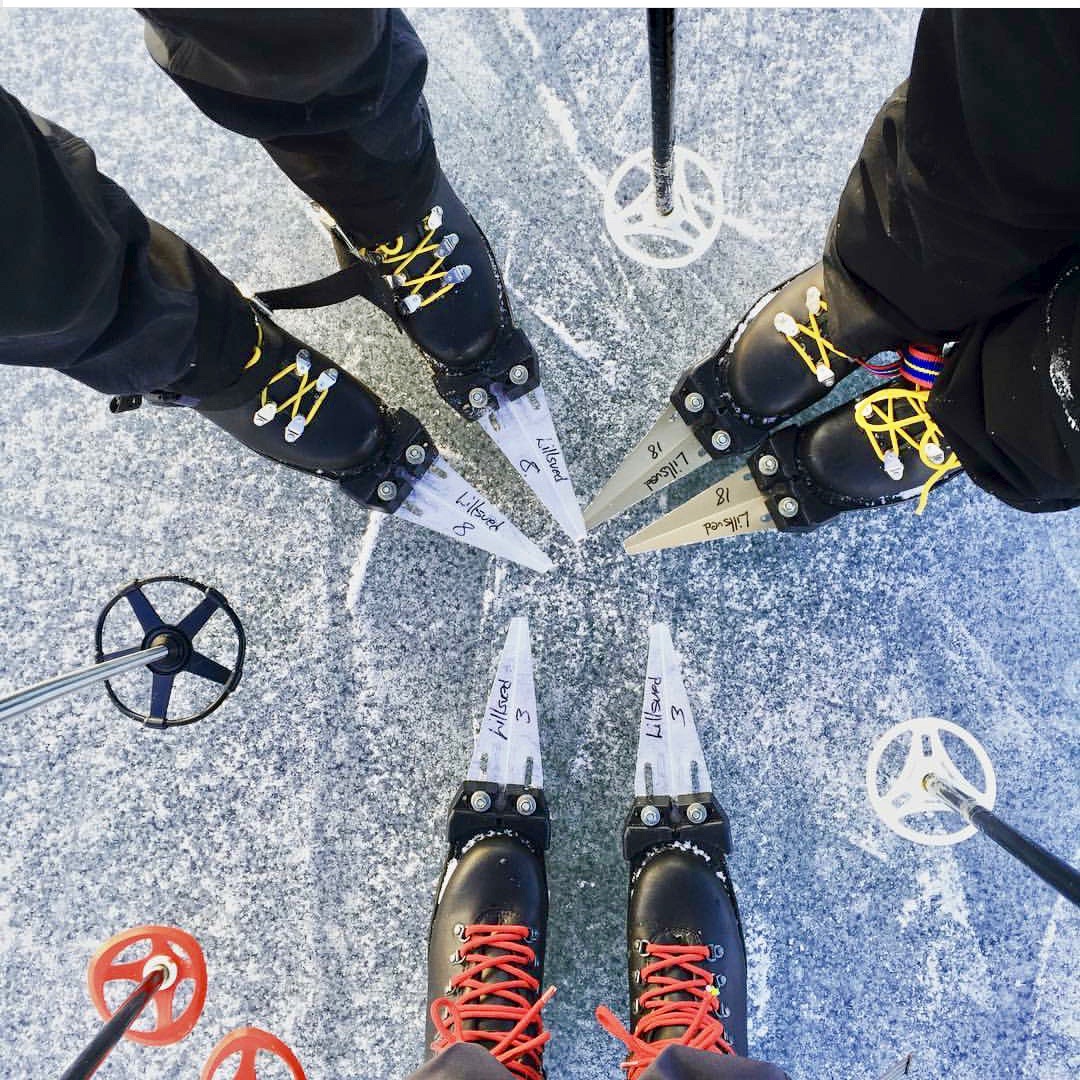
297 833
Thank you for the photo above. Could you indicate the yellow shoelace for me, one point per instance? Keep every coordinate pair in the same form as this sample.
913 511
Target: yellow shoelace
301 368
877 415
786 324
397 259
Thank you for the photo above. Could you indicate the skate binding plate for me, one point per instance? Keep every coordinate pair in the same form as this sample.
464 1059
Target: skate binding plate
698 819
509 808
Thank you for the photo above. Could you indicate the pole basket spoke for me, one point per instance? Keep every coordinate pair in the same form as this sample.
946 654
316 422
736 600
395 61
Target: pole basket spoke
190 683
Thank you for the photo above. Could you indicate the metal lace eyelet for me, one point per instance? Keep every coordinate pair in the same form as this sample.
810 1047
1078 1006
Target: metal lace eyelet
721 980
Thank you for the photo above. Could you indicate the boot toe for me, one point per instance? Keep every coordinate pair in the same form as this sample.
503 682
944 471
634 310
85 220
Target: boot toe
680 895
765 375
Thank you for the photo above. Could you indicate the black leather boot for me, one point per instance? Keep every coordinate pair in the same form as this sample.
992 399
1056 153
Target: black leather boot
437 278
686 957
775 363
683 928
486 951
882 448
291 404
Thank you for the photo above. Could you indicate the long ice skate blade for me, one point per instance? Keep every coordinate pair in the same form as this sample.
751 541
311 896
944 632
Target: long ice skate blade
708 516
667 453
733 490
446 503
525 433
507 745
670 759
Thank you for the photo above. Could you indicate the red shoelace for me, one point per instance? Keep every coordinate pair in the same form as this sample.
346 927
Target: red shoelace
487 949
673 971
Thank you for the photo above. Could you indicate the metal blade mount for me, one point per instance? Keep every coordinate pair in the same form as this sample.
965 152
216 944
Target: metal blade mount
446 503
667 453
525 433
507 745
731 508
670 760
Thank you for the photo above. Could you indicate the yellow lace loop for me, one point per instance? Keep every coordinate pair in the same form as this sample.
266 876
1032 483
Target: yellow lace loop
307 385
877 415
256 354
786 324
301 368
398 259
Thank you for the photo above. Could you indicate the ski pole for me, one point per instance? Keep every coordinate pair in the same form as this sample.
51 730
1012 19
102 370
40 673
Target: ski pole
1054 871
73 681
661 24
114 1029
171 959
166 649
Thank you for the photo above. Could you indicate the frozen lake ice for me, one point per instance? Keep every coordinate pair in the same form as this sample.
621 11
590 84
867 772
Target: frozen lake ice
297 832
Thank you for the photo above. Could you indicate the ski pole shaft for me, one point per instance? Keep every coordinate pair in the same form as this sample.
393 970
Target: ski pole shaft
1057 873
73 681
113 1030
661 23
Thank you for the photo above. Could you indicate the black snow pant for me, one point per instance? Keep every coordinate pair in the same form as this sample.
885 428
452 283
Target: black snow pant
469 1062
958 222
91 287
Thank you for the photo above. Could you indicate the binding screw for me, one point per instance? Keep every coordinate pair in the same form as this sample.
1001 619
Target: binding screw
387 490
696 813
788 507
767 465
480 801
478 397
694 402
721 440
519 374
526 805
650 816
415 454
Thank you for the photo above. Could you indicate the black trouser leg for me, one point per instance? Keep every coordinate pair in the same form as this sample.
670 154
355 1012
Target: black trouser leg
964 206
464 1062
682 1063
335 97
91 287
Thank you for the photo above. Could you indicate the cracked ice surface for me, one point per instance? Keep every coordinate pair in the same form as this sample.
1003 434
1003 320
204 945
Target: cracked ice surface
296 832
